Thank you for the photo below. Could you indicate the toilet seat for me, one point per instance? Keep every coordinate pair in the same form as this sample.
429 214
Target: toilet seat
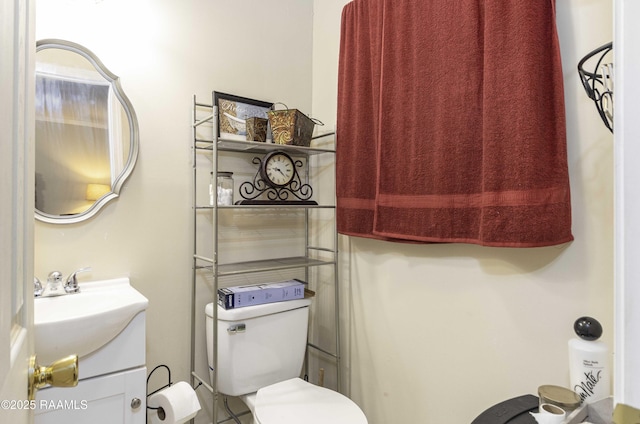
296 401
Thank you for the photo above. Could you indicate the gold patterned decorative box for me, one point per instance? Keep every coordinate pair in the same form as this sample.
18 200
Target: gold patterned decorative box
290 126
256 129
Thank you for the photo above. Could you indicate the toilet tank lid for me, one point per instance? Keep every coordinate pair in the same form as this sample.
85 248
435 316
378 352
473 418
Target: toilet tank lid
257 310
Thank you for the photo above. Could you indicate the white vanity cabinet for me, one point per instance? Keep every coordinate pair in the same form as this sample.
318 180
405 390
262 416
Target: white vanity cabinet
110 399
111 387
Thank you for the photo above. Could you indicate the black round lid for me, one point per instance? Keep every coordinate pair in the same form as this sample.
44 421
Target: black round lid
588 328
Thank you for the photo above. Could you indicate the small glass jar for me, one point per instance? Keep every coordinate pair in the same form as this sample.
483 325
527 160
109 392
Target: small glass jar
559 396
225 188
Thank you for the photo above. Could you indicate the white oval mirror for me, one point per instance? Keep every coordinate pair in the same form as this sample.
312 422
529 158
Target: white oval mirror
86 133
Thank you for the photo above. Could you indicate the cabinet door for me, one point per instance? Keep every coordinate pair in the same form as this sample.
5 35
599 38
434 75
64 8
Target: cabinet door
101 400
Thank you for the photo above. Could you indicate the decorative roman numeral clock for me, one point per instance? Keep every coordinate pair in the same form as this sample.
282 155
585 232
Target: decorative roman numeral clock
276 182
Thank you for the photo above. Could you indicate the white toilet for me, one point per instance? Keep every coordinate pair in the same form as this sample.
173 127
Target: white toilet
260 356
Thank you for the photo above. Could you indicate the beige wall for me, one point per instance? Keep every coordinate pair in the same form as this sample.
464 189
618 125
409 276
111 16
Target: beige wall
435 333
438 333
166 51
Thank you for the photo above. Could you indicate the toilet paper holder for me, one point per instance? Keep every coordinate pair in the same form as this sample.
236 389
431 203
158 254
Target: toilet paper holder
169 383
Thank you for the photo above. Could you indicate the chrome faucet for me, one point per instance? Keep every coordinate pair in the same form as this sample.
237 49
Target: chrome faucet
54 286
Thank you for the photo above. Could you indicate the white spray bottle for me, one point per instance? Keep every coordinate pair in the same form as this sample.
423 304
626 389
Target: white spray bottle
589 361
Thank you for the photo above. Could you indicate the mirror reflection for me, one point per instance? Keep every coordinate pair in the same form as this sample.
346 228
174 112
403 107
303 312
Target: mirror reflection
86 133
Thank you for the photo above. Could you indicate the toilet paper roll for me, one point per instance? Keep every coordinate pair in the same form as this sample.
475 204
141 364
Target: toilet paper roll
549 414
179 404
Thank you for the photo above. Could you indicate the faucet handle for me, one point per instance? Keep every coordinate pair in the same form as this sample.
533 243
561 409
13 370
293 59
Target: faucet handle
71 286
37 287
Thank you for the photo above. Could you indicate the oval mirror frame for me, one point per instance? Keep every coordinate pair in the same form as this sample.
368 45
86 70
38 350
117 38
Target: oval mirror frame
117 181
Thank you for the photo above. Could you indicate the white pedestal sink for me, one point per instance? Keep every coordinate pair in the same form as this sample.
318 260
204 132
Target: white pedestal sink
104 325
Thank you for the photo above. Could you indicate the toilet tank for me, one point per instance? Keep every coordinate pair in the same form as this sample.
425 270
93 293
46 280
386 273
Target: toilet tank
258 345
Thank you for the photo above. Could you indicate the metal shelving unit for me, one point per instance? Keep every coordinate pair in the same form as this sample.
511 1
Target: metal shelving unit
207 114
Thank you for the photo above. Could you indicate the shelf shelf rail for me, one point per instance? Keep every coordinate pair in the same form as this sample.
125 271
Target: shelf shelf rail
212 146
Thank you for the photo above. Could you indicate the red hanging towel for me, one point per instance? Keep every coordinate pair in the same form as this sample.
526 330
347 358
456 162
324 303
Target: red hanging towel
358 114
454 131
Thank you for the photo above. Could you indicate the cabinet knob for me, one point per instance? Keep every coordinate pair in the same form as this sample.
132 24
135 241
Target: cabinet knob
135 403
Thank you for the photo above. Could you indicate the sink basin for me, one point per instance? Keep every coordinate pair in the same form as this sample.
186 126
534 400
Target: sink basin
82 323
